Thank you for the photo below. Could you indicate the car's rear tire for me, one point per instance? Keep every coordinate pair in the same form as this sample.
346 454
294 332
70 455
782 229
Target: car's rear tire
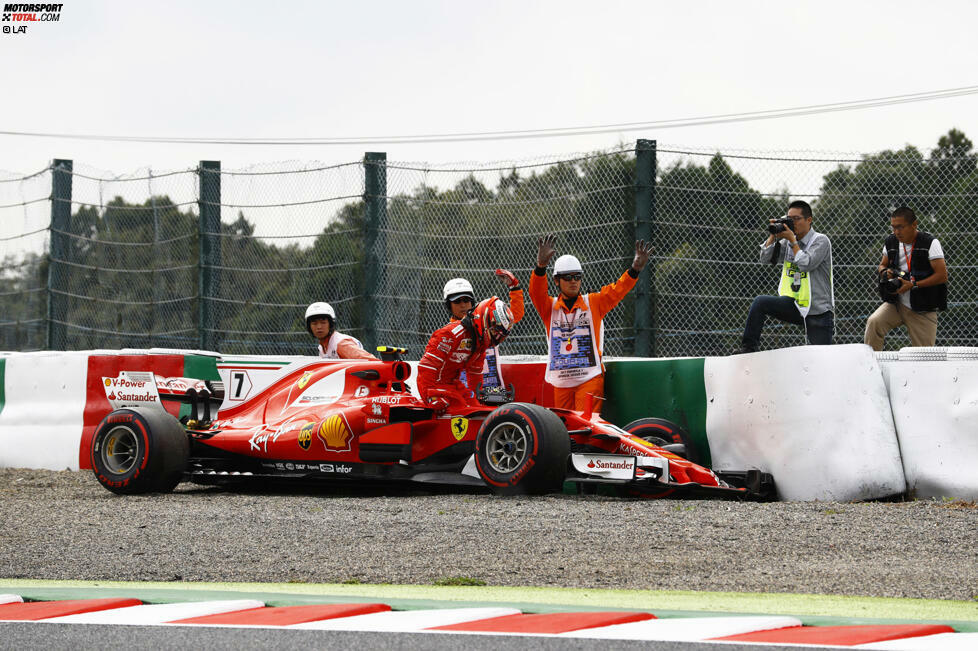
522 449
654 430
138 450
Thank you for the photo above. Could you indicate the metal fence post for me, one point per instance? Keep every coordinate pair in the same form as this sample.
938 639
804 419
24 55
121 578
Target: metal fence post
61 176
209 252
645 172
375 198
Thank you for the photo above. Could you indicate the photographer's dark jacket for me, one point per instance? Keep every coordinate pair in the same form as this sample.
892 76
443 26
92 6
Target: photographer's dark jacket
922 299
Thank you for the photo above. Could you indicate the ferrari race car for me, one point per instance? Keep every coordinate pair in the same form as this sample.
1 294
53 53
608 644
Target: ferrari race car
358 420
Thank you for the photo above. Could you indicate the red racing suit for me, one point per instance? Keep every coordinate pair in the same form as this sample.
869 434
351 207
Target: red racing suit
451 350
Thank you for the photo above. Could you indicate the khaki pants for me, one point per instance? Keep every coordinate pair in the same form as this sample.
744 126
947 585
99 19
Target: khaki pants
921 326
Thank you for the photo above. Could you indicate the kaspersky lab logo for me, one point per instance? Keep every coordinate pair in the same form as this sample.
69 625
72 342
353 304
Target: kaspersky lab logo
30 13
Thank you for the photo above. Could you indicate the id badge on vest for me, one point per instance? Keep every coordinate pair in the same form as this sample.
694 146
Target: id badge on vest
571 341
491 377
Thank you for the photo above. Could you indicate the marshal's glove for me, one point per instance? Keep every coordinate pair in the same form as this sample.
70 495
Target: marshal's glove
507 277
546 248
643 251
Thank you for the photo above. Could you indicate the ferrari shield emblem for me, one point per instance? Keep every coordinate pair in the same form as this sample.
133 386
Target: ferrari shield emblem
304 380
459 427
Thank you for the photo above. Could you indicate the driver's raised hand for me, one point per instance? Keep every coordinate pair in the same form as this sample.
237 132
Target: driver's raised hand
509 278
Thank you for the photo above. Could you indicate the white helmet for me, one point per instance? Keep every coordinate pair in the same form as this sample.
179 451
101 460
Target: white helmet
457 288
567 264
319 310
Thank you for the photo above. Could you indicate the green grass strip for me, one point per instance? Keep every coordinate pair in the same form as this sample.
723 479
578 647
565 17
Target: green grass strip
813 610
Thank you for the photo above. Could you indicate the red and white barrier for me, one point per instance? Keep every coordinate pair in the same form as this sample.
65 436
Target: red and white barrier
55 400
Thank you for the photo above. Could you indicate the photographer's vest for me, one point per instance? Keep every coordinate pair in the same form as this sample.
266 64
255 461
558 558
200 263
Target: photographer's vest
922 299
574 353
796 283
334 340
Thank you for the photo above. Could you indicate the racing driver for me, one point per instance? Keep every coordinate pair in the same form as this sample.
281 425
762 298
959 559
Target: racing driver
459 299
461 346
321 324
574 323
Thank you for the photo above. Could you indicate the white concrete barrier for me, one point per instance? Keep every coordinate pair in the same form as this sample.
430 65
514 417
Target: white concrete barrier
935 410
815 417
44 404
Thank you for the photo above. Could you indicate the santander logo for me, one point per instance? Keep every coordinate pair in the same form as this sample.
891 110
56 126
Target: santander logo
624 464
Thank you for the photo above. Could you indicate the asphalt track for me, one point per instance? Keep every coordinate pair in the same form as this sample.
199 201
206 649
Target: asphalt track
71 637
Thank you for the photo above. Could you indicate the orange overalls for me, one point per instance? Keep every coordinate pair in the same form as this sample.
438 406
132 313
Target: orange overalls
574 339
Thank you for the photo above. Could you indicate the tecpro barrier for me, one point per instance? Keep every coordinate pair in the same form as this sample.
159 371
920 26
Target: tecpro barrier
815 417
830 423
935 411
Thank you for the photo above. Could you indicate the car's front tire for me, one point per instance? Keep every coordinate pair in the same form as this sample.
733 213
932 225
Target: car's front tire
522 449
662 432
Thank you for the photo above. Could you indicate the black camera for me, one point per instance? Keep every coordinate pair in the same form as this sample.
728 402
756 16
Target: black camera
781 224
888 287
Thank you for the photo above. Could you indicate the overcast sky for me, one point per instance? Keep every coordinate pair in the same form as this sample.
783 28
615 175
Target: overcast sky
344 69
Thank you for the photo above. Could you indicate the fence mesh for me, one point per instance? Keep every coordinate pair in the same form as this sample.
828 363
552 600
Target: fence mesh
24 230
290 235
485 218
135 265
124 266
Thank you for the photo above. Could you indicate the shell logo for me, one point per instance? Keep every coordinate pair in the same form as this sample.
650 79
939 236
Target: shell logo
334 434
108 382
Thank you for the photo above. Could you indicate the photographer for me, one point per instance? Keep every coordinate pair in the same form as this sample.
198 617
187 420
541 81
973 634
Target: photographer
805 295
912 283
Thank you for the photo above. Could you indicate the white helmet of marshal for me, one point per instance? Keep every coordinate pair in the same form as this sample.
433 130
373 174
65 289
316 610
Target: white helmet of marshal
567 264
319 310
457 288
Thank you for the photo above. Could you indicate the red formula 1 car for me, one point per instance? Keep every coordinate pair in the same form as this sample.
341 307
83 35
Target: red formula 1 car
359 421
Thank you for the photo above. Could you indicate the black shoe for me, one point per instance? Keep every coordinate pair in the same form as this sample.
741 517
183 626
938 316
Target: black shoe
743 350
